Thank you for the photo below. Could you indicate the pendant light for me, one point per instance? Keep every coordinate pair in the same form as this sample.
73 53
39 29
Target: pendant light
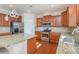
13 13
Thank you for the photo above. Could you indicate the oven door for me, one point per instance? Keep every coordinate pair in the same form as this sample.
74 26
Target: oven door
45 36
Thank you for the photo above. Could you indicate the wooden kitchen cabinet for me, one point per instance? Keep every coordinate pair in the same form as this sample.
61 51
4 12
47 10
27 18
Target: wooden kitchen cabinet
31 45
38 35
6 23
64 19
70 17
57 21
77 14
20 19
72 12
1 19
39 22
51 20
13 19
54 37
47 18
3 22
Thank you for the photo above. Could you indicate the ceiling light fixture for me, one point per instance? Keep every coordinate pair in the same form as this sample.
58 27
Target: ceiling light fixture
52 6
29 9
13 13
11 5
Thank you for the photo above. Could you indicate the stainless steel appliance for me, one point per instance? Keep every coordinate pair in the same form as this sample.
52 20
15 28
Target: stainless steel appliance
46 32
45 36
46 24
16 27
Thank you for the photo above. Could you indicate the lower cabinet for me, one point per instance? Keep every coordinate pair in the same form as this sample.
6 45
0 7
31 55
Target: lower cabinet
54 37
38 35
31 45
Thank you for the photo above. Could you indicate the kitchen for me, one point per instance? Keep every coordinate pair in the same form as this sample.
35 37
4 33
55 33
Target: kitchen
39 28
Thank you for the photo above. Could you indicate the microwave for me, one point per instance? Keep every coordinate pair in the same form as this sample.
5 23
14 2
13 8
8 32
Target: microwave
46 24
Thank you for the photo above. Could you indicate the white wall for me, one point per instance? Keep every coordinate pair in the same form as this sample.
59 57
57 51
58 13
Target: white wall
29 23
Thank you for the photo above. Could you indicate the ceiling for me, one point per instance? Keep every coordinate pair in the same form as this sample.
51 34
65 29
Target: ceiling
34 8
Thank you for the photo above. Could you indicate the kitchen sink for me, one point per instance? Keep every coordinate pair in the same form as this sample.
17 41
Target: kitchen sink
3 50
68 40
68 45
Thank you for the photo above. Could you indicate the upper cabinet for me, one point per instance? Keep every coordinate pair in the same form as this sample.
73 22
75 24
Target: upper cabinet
39 22
57 21
77 14
1 19
52 21
44 19
18 19
68 18
64 19
47 18
72 13
3 22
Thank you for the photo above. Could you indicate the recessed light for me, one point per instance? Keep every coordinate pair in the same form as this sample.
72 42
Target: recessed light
28 11
52 6
11 5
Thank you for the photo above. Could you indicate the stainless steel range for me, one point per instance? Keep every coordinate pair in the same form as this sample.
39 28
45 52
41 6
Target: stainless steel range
46 35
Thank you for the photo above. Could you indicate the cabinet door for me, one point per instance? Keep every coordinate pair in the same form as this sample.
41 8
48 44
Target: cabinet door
47 18
39 22
3 22
20 19
1 19
64 18
52 21
54 37
16 19
31 45
38 35
72 15
77 14
57 21
6 23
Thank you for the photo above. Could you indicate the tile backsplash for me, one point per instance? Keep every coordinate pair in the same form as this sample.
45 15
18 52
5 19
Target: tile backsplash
4 29
56 29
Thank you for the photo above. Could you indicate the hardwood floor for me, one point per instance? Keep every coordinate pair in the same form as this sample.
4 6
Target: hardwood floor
41 47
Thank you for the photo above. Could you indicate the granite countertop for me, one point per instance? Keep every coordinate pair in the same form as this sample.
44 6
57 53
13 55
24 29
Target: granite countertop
67 48
8 40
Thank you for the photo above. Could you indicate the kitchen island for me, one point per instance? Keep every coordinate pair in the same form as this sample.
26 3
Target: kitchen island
15 42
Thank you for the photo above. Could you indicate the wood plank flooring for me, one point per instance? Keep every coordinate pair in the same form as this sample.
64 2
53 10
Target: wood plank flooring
42 47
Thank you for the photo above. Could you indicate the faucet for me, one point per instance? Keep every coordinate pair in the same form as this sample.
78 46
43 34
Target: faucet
76 29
